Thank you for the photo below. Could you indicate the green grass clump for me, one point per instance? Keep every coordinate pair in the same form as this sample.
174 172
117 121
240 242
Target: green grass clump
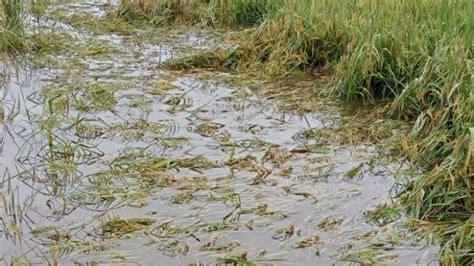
11 10
154 13
203 12
83 96
12 37
248 12
46 42
11 41
41 42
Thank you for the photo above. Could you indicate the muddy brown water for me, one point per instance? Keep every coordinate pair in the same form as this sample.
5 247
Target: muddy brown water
73 163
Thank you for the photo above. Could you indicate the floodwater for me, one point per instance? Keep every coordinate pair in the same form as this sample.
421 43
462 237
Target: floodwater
107 158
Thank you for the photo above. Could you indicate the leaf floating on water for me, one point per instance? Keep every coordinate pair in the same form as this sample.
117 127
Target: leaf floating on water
44 229
301 149
162 86
284 233
306 195
207 129
330 223
120 227
213 247
308 241
183 197
249 225
236 259
356 172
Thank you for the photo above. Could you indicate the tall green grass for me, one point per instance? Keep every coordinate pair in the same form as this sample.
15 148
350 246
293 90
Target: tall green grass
12 12
415 54
204 12
14 38
11 29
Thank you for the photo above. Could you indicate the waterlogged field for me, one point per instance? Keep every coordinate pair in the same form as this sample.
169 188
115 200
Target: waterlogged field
106 157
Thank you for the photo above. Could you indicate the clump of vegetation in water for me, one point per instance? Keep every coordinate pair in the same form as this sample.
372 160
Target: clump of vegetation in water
49 42
13 36
85 96
219 59
369 256
383 214
109 23
120 227
236 259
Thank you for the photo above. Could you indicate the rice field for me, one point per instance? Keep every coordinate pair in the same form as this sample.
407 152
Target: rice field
236 132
